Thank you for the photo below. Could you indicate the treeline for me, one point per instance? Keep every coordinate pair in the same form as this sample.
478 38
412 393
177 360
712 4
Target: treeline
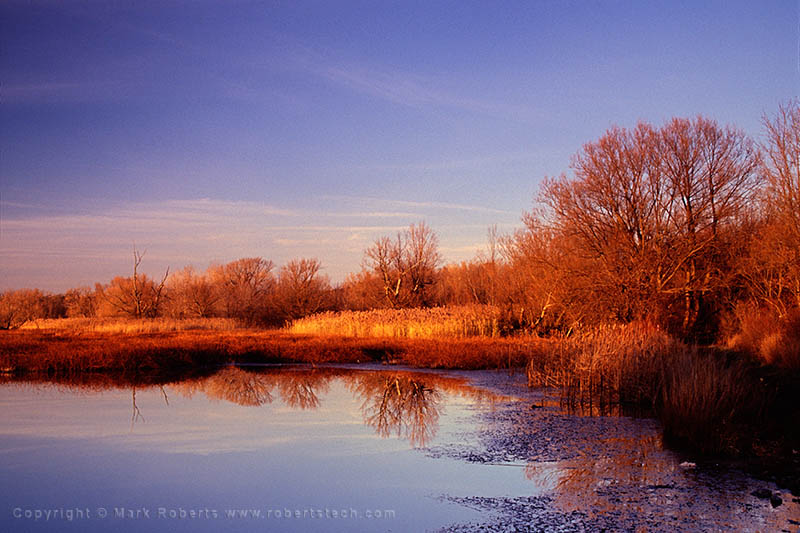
250 290
689 226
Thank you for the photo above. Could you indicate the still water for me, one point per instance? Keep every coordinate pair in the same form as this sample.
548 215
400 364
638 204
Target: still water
343 449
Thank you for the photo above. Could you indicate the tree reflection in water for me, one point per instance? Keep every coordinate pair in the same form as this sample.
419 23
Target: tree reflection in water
405 404
587 481
399 404
238 386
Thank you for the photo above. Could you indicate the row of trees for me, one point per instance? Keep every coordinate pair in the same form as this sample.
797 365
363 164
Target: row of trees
247 289
683 225
680 225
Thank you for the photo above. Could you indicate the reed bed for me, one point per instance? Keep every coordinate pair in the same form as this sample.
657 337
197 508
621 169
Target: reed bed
709 401
429 323
65 352
131 325
712 403
611 364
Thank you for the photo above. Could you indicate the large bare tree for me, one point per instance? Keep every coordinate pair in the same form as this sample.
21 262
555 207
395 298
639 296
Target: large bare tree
652 211
246 286
193 294
773 266
302 289
406 265
137 296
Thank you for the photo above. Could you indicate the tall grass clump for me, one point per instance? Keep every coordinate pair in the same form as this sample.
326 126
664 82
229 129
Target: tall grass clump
711 403
415 323
708 400
131 325
610 364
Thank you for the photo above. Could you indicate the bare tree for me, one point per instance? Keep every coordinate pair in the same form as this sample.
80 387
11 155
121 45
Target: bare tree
246 286
137 296
772 268
652 212
80 302
406 265
21 306
711 173
613 211
192 294
302 290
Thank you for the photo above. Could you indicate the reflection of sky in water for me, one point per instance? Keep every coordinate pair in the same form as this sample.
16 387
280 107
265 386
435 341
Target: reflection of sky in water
196 424
192 446
301 440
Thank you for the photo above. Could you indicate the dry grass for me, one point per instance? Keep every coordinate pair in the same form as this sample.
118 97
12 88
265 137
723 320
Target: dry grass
709 401
712 403
432 323
66 352
613 364
130 325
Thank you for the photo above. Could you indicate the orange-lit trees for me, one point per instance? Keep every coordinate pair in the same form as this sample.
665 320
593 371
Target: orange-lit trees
406 265
246 287
80 302
768 323
651 213
20 306
614 213
476 281
776 276
192 294
712 177
302 289
541 282
137 296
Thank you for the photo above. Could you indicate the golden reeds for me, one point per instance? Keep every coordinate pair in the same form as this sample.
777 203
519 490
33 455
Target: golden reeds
130 325
429 323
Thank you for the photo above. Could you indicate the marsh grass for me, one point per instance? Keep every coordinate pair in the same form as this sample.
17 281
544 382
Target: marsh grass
69 352
709 401
713 403
428 323
612 364
130 325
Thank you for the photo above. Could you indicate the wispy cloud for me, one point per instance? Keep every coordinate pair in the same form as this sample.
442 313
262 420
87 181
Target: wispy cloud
21 205
422 205
457 163
399 87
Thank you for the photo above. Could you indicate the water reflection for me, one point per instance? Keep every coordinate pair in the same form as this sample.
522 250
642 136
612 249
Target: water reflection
633 481
587 480
236 386
304 435
400 404
404 404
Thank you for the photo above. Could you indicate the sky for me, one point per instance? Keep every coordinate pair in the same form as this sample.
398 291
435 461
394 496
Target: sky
203 131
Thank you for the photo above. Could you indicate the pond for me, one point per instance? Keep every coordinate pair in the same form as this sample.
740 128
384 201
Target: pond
348 449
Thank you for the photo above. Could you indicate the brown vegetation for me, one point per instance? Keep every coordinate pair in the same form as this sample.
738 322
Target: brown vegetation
708 400
406 266
426 323
662 238
63 351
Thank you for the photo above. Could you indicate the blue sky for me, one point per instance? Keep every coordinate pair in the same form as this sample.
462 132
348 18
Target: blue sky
205 131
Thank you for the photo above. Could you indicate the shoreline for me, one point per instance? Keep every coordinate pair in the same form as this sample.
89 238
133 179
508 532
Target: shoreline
66 352
760 427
